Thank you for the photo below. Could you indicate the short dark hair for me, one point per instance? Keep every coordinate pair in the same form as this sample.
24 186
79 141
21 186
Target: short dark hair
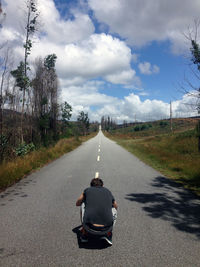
96 182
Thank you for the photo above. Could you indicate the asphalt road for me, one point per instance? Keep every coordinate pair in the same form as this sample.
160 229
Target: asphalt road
158 221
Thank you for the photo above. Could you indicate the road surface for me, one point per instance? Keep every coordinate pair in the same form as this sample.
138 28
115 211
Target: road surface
158 221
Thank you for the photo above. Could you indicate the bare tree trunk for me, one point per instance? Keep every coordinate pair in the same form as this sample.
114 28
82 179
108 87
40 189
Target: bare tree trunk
5 66
198 134
25 70
2 84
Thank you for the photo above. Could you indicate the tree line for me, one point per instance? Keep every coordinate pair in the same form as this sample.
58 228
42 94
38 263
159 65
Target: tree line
108 123
30 113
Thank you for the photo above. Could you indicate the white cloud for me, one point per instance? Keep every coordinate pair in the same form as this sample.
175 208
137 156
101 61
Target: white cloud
86 94
9 35
148 109
81 54
100 55
64 31
135 58
131 108
84 55
82 97
54 27
143 93
122 77
128 108
147 68
141 22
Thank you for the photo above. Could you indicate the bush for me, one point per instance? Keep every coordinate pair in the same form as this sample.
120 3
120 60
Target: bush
163 123
4 142
137 128
144 127
24 149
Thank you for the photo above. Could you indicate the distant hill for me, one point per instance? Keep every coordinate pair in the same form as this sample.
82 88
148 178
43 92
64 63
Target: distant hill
142 129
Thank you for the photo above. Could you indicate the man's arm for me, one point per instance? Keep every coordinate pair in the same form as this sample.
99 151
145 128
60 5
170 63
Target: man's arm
80 200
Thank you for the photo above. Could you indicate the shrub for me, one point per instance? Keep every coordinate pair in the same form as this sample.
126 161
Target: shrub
4 144
24 149
137 128
144 127
163 123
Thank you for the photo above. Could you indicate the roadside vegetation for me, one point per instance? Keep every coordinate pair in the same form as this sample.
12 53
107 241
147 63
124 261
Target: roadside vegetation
175 154
15 170
35 126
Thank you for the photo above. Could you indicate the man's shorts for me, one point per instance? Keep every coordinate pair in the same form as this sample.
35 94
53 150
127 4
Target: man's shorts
114 212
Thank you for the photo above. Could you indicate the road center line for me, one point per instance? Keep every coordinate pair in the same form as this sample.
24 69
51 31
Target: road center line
98 158
96 175
99 150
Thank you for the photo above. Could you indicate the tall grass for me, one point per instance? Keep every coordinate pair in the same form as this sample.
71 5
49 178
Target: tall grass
176 155
13 171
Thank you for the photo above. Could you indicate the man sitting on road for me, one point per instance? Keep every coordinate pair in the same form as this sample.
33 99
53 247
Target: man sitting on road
98 209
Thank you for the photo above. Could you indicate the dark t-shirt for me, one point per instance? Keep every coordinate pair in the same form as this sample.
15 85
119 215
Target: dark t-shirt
98 206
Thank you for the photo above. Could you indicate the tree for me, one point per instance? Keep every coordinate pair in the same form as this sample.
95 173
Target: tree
50 61
52 87
195 52
20 74
125 124
66 112
94 126
107 123
5 65
102 123
45 96
83 122
190 88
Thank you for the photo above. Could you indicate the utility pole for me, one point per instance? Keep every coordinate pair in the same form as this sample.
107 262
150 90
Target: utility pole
171 116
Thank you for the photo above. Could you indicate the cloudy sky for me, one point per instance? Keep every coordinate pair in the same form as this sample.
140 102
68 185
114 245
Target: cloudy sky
123 58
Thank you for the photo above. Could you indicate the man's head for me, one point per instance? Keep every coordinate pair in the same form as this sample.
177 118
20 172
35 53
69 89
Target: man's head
96 182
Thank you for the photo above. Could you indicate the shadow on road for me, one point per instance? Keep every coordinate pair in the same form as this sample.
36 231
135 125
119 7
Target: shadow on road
92 244
172 203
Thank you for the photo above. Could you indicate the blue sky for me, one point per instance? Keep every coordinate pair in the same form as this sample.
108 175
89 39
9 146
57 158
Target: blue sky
122 58
162 85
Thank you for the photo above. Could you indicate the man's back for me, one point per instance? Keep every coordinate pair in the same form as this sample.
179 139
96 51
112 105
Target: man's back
98 206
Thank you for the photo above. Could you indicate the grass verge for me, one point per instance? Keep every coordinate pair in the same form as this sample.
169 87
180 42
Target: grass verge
176 156
13 171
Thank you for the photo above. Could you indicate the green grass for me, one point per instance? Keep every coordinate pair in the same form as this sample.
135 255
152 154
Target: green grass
156 128
176 156
13 171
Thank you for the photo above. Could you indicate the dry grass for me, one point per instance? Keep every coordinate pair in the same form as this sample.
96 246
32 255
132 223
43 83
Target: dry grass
176 156
13 171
